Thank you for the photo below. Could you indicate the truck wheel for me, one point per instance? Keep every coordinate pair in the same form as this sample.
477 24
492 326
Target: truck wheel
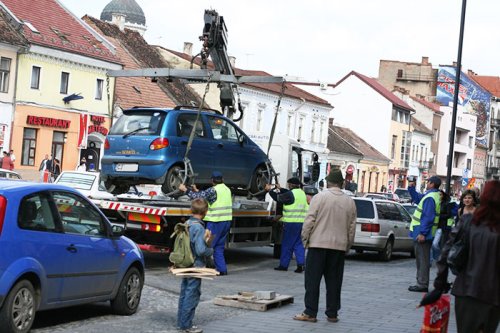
259 180
128 297
172 180
18 311
386 253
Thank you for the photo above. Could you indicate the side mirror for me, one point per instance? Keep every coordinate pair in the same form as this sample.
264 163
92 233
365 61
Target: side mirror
117 231
315 172
241 139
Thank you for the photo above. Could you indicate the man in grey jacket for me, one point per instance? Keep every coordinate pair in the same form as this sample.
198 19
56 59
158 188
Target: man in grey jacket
327 233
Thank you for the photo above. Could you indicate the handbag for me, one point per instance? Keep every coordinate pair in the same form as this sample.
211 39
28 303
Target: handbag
459 250
436 316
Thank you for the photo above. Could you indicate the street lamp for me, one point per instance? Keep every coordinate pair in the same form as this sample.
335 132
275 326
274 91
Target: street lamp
455 97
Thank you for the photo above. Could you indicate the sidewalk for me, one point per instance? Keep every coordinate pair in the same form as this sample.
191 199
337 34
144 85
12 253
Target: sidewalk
374 299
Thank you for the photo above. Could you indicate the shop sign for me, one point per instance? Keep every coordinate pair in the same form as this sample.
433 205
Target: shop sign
48 122
97 122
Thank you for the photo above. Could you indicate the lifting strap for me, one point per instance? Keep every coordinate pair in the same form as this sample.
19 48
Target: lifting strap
273 128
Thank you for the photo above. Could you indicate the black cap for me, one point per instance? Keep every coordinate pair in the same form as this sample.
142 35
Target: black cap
294 181
435 180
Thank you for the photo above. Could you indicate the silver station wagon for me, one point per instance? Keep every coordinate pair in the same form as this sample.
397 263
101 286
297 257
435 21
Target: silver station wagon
382 226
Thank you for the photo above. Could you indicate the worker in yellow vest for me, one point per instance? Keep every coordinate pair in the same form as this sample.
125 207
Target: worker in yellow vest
295 209
219 215
423 227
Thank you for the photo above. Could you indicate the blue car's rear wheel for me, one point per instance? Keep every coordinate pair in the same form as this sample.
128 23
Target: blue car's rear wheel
18 312
172 180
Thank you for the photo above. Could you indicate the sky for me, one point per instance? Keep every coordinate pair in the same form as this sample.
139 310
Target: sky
323 40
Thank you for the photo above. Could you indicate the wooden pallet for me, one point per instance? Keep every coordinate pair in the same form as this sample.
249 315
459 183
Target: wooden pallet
237 301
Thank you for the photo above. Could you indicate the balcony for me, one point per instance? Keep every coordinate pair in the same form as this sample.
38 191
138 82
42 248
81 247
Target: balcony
423 165
416 77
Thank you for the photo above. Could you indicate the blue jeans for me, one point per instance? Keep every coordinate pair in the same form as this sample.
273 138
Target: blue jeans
188 301
292 243
220 231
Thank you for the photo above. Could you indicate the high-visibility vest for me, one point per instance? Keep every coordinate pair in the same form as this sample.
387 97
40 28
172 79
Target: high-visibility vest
296 212
415 220
222 208
450 222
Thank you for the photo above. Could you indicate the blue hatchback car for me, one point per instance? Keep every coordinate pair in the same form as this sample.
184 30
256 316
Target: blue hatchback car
57 250
148 146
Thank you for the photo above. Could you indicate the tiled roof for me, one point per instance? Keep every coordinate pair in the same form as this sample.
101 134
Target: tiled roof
290 89
8 34
146 56
433 106
361 145
490 83
57 28
338 144
380 89
418 126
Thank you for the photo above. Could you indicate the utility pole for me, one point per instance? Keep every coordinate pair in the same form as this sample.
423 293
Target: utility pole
455 98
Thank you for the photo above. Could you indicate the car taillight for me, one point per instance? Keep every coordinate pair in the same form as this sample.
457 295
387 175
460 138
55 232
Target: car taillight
370 227
106 144
158 143
152 193
3 208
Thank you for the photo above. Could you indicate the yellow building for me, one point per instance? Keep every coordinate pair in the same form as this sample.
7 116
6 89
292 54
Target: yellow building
63 98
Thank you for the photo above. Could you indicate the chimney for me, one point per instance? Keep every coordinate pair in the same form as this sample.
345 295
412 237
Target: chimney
118 20
471 72
188 48
425 60
232 61
455 64
330 122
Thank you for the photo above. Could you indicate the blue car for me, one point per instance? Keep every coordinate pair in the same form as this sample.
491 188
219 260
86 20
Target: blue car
57 250
148 146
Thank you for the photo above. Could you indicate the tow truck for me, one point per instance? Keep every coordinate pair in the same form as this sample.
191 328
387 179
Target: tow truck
149 219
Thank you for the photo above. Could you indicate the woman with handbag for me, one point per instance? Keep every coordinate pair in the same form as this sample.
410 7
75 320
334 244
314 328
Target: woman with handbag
477 285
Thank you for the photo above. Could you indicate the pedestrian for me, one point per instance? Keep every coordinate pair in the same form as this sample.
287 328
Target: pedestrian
12 156
191 287
477 286
447 216
7 162
327 234
82 166
56 169
423 227
295 207
45 169
219 216
468 203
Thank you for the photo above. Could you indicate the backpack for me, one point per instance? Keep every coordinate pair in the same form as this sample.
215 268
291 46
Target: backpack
182 255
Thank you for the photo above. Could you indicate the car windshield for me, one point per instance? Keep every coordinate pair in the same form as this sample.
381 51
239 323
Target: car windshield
364 209
138 123
402 193
77 180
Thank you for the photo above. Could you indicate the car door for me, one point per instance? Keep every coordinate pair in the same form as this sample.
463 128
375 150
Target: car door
92 258
201 150
230 154
41 239
398 225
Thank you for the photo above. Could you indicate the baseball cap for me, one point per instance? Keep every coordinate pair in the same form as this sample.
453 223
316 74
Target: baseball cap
435 180
216 175
294 180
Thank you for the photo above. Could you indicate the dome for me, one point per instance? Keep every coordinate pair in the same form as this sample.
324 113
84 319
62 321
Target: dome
132 11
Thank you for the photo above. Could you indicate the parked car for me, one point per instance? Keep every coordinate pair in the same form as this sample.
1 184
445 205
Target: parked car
403 194
410 207
148 146
58 250
374 196
382 226
4 173
87 183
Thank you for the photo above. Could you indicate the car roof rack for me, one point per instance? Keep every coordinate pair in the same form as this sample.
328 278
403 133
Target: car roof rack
190 107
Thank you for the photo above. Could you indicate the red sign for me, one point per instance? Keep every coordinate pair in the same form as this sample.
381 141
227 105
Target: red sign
49 122
97 120
97 128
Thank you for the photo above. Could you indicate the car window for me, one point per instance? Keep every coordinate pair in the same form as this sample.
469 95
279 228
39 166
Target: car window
364 209
78 216
185 123
35 214
222 129
77 180
404 213
382 211
141 123
393 212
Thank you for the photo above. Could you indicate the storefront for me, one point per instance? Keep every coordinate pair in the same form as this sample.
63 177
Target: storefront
64 135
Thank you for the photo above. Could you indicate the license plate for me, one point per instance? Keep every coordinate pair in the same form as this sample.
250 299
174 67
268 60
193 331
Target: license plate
127 167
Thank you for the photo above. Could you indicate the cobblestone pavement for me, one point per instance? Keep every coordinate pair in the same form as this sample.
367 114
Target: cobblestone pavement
374 299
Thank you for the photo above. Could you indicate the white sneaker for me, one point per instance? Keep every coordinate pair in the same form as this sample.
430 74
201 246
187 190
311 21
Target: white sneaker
193 329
